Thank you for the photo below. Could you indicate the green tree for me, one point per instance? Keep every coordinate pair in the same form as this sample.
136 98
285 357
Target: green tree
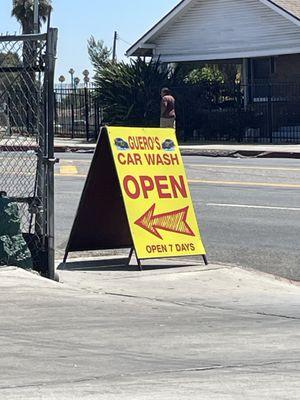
23 10
207 74
99 53
128 92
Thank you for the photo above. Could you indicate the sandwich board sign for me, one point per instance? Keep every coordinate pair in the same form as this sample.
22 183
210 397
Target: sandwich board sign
136 196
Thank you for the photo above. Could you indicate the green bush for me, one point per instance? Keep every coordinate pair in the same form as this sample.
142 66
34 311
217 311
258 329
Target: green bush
130 93
13 248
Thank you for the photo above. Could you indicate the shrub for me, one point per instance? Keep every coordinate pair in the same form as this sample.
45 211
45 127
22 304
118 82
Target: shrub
130 93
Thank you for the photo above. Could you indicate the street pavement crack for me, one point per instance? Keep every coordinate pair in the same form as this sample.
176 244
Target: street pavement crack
145 373
184 304
251 312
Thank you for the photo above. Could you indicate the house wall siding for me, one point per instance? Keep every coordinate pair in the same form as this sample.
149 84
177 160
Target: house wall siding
224 29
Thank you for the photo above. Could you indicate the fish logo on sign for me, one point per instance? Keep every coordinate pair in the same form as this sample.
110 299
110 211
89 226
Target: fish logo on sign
172 221
168 145
121 144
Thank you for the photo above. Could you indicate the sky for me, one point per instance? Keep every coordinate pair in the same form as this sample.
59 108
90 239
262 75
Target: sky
77 20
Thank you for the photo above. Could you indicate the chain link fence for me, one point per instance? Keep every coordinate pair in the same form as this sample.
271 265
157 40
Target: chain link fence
26 73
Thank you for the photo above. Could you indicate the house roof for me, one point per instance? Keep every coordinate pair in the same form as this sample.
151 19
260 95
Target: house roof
182 4
290 6
143 47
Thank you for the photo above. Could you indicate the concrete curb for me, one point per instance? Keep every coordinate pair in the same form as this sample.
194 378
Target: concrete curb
185 152
240 153
204 152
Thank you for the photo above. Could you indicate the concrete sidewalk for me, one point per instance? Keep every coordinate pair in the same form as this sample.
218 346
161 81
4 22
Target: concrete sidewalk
175 331
215 150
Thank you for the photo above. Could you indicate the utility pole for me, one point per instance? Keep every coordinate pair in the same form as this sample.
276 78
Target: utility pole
36 16
114 54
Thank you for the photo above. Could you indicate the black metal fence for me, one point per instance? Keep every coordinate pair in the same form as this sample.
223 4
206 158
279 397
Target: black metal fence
77 112
258 113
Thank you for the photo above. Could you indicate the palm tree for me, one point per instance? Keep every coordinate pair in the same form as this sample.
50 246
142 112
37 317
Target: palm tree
23 10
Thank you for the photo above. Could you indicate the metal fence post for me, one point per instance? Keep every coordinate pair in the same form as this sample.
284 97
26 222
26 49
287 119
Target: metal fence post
270 113
238 89
96 118
72 120
51 54
55 113
9 116
87 127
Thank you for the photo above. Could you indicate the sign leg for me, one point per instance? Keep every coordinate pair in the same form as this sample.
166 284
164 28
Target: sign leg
139 264
65 257
205 259
130 256
138 260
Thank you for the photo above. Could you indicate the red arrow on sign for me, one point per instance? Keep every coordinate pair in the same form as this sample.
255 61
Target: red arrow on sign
173 221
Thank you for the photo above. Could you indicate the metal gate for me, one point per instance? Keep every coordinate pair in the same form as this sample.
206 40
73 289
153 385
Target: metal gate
78 113
26 138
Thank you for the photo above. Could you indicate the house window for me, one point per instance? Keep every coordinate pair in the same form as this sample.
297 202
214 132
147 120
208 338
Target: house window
263 68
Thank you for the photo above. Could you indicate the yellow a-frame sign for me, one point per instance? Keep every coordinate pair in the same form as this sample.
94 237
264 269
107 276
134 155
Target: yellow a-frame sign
136 195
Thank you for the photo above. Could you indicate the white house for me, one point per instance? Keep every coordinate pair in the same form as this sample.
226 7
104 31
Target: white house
262 35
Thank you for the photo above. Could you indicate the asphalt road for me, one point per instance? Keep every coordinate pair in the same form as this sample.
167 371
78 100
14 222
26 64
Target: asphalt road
248 209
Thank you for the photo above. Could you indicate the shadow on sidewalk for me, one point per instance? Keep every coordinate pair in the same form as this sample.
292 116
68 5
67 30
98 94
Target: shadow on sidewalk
117 264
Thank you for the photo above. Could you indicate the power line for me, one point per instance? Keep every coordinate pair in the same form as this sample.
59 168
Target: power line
123 40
